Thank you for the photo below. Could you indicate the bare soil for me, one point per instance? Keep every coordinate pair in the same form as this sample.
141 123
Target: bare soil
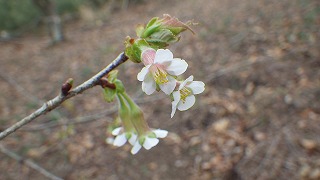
259 117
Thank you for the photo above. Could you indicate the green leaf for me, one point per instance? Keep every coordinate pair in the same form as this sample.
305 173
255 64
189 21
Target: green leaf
152 22
139 30
153 25
112 76
164 36
109 94
177 30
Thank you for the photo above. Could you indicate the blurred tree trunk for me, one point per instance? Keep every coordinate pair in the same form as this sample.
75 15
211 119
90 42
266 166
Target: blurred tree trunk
52 19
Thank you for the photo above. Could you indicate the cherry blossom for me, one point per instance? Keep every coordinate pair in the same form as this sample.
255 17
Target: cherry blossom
122 137
184 98
160 70
148 140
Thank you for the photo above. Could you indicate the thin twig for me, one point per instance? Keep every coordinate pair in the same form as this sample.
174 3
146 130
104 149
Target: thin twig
77 120
58 100
88 118
28 163
24 92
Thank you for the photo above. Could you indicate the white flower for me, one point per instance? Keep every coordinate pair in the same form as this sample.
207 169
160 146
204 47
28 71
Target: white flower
122 137
160 69
149 140
184 98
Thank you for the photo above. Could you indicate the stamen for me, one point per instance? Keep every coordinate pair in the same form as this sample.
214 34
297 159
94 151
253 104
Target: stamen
184 93
160 76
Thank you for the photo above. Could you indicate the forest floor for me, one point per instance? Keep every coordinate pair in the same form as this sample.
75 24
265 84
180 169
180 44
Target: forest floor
259 117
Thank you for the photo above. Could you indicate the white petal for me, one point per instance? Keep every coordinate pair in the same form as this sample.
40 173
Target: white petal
150 142
136 148
174 108
148 85
160 133
133 138
176 99
168 87
197 87
189 79
116 131
163 55
120 140
189 102
177 67
143 73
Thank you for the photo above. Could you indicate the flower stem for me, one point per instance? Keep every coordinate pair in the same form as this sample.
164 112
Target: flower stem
137 118
124 113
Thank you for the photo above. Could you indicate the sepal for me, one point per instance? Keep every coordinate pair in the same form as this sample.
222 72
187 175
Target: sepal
134 48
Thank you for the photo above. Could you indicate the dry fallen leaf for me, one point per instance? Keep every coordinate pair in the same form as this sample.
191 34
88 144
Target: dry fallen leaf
221 125
308 144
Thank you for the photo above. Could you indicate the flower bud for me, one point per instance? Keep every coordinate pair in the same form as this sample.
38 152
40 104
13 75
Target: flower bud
161 32
65 88
134 48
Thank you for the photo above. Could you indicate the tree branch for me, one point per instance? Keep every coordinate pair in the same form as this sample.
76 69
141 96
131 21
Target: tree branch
28 162
89 118
58 100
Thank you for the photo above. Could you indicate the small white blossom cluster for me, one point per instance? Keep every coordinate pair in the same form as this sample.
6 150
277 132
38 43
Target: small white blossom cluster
134 129
148 140
161 71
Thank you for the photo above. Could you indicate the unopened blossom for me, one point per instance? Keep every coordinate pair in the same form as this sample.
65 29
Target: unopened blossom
148 140
122 137
184 98
160 69
162 32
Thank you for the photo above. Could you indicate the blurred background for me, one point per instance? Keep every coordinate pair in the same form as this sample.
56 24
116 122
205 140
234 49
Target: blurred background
259 117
